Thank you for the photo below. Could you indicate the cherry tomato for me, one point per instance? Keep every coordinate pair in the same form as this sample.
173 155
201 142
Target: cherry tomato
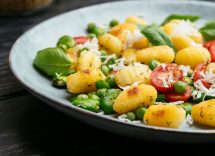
81 39
170 73
197 76
173 96
211 48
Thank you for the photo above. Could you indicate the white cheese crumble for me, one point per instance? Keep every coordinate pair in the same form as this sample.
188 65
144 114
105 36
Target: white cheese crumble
91 45
108 58
189 120
119 64
185 28
185 69
129 86
131 37
165 84
124 119
170 103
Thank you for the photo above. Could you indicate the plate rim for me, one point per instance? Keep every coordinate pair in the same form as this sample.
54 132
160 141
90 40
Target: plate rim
92 114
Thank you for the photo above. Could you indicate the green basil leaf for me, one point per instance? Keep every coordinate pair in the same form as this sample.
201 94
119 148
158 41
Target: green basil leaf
191 18
208 30
52 60
156 36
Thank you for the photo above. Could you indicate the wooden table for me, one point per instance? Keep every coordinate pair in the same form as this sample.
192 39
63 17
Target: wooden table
28 126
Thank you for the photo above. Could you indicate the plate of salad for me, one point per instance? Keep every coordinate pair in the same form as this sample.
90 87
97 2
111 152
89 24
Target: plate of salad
137 68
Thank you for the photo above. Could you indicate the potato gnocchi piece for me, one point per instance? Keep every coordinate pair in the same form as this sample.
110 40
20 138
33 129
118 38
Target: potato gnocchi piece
192 56
88 60
140 44
135 20
163 54
181 41
133 73
134 97
129 55
111 44
171 116
84 81
73 56
204 113
119 29
181 27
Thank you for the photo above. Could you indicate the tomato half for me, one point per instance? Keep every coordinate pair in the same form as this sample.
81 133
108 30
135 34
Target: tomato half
211 48
81 39
172 97
197 76
170 74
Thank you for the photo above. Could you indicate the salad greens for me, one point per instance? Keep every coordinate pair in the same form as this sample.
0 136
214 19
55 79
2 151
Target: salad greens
208 30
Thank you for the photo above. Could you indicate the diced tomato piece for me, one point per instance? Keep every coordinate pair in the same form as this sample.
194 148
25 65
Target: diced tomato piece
81 39
173 96
211 48
170 74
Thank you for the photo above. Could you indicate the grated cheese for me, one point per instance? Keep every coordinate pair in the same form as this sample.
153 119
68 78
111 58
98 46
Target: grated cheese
129 86
92 45
124 119
185 69
189 120
170 103
165 84
119 64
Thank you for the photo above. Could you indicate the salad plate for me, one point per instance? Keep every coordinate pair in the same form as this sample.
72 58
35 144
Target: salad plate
74 23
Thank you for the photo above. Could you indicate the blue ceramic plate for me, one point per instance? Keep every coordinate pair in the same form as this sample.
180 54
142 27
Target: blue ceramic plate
74 23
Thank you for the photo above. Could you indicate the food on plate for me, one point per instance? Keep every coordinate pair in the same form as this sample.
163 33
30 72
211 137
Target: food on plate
154 74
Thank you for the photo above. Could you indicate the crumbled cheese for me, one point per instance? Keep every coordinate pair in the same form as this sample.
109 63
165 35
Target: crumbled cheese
170 78
108 58
170 103
119 64
163 65
165 84
129 86
185 28
124 119
199 86
189 120
208 76
131 37
194 44
92 45
185 69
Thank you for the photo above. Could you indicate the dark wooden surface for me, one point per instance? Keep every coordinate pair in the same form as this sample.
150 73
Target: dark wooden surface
30 127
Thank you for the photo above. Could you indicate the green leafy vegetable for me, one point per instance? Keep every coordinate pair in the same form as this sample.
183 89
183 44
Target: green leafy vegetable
156 36
191 18
208 30
52 60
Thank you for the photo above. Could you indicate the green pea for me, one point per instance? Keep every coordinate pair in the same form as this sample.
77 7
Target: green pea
161 98
101 92
111 81
98 31
188 80
102 84
106 105
153 64
105 70
82 96
187 107
113 23
103 55
180 87
113 93
131 116
140 112
91 27
66 42
190 73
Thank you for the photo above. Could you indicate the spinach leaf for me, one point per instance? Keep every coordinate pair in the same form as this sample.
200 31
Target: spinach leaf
156 36
52 60
208 30
191 18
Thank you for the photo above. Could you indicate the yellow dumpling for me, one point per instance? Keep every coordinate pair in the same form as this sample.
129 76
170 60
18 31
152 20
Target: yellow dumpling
192 56
135 20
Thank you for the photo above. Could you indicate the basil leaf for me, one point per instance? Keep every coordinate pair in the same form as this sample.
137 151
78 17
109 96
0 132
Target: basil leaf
180 17
52 60
156 36
208 30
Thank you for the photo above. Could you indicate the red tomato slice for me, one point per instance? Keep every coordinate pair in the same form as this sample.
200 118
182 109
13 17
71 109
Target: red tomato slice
160 72
197 76
172 97
81 39
200 68
211 48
